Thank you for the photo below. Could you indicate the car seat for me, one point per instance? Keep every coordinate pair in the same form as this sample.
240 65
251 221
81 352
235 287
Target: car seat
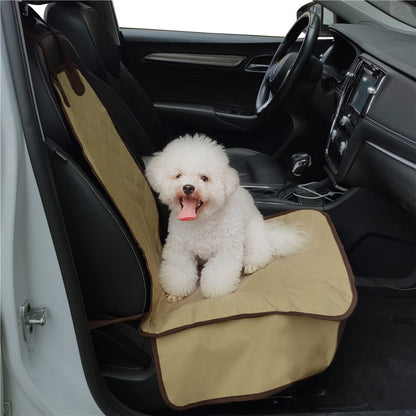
111 271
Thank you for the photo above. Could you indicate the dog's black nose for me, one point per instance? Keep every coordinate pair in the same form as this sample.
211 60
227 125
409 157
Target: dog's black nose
188 189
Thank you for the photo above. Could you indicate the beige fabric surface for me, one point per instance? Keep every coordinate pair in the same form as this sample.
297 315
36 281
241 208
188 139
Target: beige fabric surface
262 337
314 281
244 357
114 166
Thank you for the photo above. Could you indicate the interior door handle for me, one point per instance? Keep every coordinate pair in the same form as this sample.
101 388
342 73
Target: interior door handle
259 63
256 67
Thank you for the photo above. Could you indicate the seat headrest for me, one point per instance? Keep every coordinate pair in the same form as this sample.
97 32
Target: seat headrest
40 41
86 30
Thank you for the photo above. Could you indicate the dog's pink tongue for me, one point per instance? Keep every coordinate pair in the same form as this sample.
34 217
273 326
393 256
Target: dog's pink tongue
188 212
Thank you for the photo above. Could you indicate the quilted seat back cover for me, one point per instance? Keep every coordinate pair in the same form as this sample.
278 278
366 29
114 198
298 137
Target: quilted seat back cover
282 325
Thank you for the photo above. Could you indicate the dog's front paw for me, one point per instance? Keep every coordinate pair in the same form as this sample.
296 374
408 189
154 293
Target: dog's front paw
173 298
211 287
177 282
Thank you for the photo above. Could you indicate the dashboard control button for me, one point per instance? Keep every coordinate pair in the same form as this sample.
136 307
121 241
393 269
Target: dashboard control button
342 146
344 120
346 123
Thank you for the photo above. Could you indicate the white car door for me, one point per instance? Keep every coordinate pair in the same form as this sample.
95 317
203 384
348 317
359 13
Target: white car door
41 367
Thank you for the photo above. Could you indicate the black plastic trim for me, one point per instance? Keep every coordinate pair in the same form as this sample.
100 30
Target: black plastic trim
221 117
172 36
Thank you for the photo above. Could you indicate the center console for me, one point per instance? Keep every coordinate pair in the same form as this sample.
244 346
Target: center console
362 85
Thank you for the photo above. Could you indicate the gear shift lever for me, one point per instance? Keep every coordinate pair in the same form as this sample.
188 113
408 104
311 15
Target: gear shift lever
299 163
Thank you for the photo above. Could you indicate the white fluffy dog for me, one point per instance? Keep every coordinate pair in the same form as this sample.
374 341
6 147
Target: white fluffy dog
213 221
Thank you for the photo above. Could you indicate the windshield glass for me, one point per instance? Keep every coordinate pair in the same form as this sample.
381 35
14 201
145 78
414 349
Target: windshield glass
402 10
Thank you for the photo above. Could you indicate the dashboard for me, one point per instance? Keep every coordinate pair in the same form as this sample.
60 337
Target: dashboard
372 140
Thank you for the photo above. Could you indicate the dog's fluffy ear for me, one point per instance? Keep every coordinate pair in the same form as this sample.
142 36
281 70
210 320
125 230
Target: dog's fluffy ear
153 172
232 181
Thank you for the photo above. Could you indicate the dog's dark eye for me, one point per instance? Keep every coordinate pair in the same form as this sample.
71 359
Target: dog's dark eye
178 175
204 178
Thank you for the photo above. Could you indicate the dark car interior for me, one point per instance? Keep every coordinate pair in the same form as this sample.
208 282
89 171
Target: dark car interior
331 128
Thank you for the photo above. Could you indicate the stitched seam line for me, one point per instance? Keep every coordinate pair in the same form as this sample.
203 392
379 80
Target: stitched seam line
104 203
50 95
115 220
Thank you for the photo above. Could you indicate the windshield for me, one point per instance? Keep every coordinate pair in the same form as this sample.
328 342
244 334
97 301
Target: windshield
402 10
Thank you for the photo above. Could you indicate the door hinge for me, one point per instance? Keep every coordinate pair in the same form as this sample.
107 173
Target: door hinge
31 317
7 409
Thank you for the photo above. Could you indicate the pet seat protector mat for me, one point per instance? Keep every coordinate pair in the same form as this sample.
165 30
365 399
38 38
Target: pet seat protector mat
282 325
314 282
113 165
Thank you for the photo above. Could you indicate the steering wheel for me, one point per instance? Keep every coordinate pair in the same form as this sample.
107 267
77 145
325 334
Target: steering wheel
286 67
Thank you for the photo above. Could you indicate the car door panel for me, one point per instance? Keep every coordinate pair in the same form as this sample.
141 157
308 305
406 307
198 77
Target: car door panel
210 75
206 82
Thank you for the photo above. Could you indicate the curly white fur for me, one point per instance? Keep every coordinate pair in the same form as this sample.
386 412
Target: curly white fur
226 233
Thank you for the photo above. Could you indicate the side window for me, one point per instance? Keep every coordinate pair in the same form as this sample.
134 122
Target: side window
244 17
39 8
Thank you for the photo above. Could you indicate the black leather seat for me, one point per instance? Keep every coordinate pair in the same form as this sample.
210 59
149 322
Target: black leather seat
111 272
86 30
106 256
